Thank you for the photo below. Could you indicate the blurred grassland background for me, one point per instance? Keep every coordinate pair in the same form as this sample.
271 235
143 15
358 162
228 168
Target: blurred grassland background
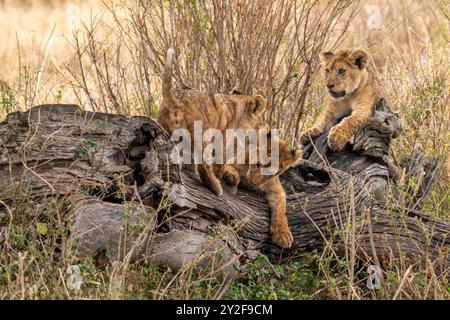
107 56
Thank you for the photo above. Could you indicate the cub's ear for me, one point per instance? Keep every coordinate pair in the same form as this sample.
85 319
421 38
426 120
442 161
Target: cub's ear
325 56
359 58
258 105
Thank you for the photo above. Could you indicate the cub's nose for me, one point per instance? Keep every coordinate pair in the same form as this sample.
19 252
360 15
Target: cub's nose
330 86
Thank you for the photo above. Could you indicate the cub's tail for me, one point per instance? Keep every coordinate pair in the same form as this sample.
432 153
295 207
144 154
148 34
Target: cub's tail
167 79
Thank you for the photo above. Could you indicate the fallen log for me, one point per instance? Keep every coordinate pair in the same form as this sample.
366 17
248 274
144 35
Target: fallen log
117 171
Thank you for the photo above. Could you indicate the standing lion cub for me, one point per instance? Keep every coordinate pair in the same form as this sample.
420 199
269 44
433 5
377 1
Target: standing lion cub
352 92
181 107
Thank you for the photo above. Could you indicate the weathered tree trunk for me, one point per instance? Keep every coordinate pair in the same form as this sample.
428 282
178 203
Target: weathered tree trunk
104 161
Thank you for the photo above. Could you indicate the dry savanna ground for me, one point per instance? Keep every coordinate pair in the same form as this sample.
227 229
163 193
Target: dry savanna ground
107 56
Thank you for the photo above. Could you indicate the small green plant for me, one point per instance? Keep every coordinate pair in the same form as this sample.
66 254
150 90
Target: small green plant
87 149
59 95
8 102
150 107
294 279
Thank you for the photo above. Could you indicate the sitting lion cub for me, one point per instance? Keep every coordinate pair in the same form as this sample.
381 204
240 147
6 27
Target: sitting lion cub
352 89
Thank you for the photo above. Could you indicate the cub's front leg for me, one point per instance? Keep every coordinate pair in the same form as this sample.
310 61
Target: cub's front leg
342 132
208 177
324 122
279 227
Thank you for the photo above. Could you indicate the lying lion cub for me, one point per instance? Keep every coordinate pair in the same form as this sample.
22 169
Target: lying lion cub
250 177
352 89
181 107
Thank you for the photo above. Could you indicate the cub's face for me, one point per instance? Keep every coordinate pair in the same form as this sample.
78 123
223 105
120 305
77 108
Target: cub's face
343 71
287 158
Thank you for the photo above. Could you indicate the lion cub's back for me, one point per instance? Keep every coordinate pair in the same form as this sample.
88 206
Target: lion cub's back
213 110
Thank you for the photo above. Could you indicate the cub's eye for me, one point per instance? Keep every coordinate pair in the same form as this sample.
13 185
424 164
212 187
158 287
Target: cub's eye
258 165
341 71
327 71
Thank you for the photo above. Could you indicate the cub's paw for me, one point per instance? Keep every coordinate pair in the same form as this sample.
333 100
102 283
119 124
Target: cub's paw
282 236
260 192
230 179
308 135
337 139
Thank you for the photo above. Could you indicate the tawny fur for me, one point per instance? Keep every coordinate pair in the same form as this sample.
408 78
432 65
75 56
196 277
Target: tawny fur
249 177
352 92
181 107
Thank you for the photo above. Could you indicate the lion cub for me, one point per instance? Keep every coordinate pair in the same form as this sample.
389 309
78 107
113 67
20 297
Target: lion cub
250 177
352 89
182 107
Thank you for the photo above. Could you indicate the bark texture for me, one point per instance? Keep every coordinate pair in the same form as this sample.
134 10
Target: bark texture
133 201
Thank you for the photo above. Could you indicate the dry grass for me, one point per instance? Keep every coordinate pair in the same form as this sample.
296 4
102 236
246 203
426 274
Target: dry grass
107 56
